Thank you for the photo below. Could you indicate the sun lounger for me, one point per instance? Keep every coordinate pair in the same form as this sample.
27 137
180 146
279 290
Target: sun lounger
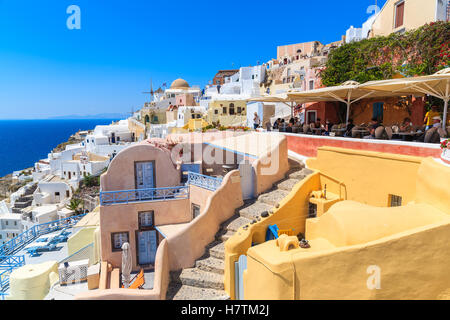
139 282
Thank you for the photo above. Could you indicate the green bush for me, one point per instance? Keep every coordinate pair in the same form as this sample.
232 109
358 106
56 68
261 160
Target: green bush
422 51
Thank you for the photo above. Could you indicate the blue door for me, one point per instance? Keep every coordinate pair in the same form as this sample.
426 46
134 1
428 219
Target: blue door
144 175
147 246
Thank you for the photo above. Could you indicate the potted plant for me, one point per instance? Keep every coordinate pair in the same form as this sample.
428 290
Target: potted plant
445 146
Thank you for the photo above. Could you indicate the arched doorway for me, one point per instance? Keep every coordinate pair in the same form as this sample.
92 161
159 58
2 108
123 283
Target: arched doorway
147 119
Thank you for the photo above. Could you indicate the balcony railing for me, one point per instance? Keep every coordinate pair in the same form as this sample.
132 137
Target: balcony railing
205 182
29 235
150 194
7 265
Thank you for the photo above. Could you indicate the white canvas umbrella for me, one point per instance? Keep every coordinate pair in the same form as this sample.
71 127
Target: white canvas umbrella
126 264
437 85
279 98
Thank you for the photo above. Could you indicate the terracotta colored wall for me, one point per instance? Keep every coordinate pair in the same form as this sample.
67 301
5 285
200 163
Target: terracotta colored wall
124 218
362 111
201 231
199 196
121 176
307 145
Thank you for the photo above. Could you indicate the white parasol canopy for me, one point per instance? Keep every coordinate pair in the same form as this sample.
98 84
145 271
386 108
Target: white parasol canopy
437 85
126 264
349 92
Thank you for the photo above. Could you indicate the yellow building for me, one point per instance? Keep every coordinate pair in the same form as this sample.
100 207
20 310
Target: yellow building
401 16
375 234
228 112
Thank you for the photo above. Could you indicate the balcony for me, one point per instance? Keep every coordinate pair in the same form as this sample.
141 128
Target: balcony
138 195
202 181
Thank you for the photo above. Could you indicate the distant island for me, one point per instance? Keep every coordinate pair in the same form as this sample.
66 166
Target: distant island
92 116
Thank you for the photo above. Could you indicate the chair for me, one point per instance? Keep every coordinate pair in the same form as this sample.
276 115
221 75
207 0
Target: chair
305 128
442 132
432 136
380 133
139 282
389 132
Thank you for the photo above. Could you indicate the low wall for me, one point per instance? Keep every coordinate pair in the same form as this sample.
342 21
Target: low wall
307 145
202 230
160 283
271 167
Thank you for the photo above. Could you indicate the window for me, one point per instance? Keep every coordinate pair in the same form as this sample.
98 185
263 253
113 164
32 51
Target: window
399 14
67 193
395 201
231 108
224 110
118 239
216 111
146 219
198 116
6 222
195 210
56 194
239 110
193 116
312 211
311 84
15 223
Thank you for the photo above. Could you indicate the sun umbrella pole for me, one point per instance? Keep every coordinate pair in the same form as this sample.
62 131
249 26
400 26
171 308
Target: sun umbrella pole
444 122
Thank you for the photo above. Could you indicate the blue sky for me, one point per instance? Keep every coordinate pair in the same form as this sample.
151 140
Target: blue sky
48 70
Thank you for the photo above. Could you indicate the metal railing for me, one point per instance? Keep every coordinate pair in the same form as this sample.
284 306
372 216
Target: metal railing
86 252
205 182
7 266
149 194
29 235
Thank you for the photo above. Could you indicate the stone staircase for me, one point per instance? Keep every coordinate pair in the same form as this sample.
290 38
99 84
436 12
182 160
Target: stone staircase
205 280
25 200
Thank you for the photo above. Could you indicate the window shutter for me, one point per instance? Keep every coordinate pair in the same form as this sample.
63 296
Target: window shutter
399 14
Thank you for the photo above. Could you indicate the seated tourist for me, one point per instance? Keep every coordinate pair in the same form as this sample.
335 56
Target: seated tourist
436 122
349 128
282 126
289 127
276 124
374 124
328 126
406 125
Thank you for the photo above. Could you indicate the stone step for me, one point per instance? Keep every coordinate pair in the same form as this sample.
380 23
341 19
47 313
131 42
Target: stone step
224 235
235 224
288 184
254 210
194 293
295 165
216 249
201 279
16 210
300 174
273 197
211 264
26 198
19 204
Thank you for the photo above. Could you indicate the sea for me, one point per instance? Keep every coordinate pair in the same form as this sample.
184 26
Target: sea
24 142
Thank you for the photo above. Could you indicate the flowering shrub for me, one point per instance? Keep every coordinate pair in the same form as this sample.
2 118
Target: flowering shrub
445 144
417 52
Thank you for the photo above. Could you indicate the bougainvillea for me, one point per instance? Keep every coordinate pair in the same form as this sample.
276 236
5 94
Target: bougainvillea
421 51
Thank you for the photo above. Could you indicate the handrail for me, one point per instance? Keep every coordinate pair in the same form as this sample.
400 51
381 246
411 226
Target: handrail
29 235
340 183
148 194
203 181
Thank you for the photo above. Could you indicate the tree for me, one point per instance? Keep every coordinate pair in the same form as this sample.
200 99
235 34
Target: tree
74 205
